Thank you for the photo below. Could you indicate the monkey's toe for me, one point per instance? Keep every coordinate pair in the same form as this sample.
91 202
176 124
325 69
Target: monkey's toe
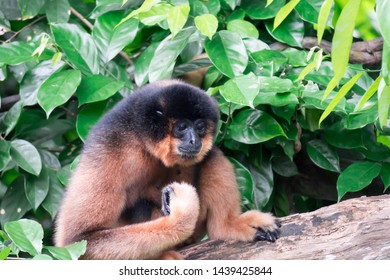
267 235
262 235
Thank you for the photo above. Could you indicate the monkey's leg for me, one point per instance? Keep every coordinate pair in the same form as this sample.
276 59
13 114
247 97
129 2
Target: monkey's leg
219 190
151 239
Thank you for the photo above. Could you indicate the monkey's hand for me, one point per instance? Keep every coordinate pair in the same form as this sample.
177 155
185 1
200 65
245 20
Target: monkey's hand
180 203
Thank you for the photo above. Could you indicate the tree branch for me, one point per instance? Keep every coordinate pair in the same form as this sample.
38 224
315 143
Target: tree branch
364 52
353 229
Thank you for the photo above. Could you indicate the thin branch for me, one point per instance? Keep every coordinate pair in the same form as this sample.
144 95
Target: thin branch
364 52
90 26
24 28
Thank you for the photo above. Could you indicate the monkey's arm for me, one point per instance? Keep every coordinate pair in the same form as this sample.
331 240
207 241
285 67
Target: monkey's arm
219 190
94 202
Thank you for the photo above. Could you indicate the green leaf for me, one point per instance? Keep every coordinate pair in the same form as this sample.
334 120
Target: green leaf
16 53
26 156
309 10
53 199
4 153
274 84
36 188
96 88
290 31
362 118
342 39
284 166
156 14
58 89
339 136
26 234
340 95
177 17
260 9
323 18
244 28
30 8
276 99
42 257
141 68
241 90
254 126
78 47
356 177
228 53
382 12
88 117
323 155
11 118
57 11
70 252
385 175
284 12
369 93
14 204
164 58
111 37
146 6
245 182
33 80
383 102
207 24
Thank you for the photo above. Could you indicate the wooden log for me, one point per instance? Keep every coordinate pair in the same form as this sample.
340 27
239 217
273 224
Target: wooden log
357 229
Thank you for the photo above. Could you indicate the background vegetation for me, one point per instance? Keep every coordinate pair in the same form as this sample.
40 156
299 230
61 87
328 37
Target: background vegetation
303 88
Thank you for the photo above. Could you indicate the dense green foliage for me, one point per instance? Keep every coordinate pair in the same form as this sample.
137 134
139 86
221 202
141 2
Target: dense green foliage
64 63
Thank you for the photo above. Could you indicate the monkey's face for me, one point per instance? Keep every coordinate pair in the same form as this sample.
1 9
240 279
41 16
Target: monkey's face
181 121
187 143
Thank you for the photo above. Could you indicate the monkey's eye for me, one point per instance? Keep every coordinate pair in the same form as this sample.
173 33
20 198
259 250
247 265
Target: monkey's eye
182 126
200 127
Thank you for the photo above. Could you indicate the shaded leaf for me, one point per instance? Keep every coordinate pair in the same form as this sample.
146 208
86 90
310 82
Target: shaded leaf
258 9
53 199
356 177
30 8
254 126
14 204
141 68
88 117
244 28
26 234
26 156
241 90
165 56
110 36
58 89
228 53
36 188
78 47
57 11
323 155
70 252
96 88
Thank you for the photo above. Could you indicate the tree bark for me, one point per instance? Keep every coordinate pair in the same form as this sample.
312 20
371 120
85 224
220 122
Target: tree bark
353 229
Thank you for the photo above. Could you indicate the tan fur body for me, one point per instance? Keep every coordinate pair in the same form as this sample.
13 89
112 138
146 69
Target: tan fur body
111 179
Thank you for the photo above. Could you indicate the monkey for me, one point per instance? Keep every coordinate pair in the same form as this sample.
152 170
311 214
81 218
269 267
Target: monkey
150 179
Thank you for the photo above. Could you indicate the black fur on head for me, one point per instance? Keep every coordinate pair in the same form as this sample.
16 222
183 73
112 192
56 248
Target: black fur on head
148 111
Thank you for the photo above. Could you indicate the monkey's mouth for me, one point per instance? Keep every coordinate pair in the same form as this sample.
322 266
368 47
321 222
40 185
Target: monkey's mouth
188 153
166 200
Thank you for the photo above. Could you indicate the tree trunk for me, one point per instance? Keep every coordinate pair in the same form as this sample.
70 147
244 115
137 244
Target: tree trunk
353 229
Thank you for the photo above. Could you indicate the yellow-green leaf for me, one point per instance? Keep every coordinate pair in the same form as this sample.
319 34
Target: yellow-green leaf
383 102
342 39
177 17
207 24
369 93
306 70
269 2
284 12
146 6
332 84
323 18
340 95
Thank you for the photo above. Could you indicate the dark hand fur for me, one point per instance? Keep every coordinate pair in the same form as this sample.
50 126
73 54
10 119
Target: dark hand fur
130 158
